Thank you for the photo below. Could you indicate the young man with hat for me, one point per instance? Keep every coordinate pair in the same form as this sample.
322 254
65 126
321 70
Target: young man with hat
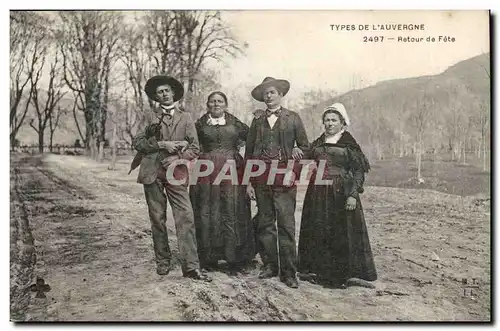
170 135
277 138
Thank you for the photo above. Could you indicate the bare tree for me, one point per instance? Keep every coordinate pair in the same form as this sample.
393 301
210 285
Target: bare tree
484 117
310 110
45 106
422 112
134 55
88 42
206 36
180 43
27 49
114 138
454 127
481 119
310 105
207 82
54 118
163 45
376 132
79 103
398 113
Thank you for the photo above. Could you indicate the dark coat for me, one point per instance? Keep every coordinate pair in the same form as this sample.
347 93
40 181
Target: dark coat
291 131
146 143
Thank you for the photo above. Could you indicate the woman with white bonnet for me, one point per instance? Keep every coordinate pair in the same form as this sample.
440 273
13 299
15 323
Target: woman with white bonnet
334 248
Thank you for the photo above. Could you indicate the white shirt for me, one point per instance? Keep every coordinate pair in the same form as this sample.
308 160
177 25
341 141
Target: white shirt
333 139
272 118
168 110
216 121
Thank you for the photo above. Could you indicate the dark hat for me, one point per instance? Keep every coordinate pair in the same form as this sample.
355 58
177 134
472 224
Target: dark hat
281 85
156 81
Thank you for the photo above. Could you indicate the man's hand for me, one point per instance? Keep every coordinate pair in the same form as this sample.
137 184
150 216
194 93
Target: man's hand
170 146
289 179
297 154
350 203
188 155
168 160
182 145
251 192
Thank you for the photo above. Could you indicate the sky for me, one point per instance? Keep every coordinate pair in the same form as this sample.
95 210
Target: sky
302 46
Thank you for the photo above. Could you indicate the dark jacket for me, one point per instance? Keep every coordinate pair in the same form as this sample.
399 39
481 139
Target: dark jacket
146 143
291 132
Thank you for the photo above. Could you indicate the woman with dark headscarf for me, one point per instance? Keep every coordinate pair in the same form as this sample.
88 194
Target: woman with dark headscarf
334 246
224 228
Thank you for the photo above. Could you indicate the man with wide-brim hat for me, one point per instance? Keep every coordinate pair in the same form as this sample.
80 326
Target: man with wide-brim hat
155 81
277 138
169 135
282 85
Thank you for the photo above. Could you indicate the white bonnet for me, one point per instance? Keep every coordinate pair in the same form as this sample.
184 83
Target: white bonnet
341 109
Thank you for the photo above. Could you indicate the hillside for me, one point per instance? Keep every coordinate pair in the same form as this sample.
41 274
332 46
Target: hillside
383 110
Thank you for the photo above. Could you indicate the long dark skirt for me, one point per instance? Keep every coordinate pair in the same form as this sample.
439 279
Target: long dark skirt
333 242
224 227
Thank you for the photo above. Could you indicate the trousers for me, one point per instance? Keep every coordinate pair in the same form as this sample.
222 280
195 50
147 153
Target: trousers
276 227
178 196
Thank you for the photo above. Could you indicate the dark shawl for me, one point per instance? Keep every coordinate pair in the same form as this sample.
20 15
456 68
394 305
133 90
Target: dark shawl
357 159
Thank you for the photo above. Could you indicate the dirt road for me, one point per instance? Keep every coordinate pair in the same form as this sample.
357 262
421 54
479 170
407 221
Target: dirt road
85 231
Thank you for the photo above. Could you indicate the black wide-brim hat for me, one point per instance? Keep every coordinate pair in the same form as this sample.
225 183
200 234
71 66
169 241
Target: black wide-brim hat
281 85
156 81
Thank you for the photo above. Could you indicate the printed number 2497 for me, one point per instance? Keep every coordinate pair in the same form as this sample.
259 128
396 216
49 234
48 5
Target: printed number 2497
373 39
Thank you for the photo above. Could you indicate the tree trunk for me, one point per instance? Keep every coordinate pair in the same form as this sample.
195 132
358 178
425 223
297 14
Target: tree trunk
113 151
464 147
416 158
101 152
93 148
452 150
484 153
51 140
12 139
401 145
40 140
419 166
378 150
419 157
434 150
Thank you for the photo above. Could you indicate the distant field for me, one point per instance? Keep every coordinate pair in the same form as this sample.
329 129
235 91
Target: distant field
440 175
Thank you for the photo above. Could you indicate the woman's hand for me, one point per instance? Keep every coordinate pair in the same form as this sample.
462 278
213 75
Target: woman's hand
297 154
350 203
